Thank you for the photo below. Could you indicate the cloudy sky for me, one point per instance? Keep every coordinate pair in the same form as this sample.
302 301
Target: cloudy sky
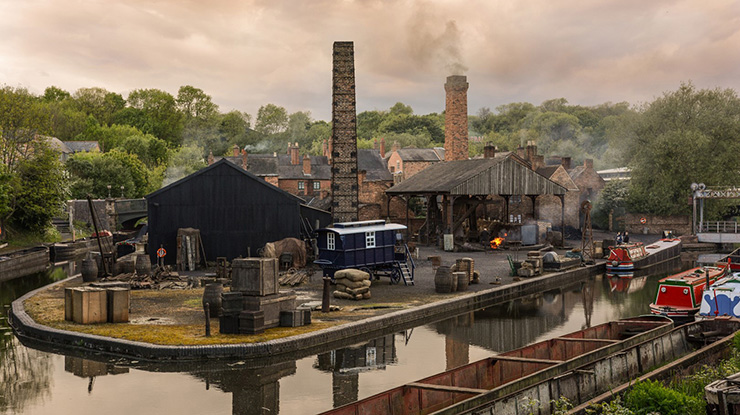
247 53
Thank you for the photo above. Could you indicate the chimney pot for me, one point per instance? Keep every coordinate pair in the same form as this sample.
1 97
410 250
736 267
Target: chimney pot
244 159
210 158
588 163
489 151
236 150
566 163
382 147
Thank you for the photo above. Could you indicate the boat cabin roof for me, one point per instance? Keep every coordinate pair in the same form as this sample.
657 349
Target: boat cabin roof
693 275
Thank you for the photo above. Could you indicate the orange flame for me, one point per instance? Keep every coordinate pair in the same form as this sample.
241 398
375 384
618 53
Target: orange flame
496 242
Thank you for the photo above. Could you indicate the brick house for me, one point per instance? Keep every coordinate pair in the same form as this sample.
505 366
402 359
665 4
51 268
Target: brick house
406 162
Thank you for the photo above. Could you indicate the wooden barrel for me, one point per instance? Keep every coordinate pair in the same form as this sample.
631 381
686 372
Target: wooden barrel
143 264
463 266
89 270
462 280
126 266
443 280
212 296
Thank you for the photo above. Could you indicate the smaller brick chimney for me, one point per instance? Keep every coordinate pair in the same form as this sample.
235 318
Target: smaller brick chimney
382 147
331 148
236 150
565 161
489 151
295 158
210 158
588 163
306 164
521 152
244 159
324 149
532 153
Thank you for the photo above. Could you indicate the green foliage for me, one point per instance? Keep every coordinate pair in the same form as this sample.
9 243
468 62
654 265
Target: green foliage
651 396
685 136
41 192
271 119
613 198
195 104
185 161
561 406
613 407
693 384
92 173
155 112
99 103
21 120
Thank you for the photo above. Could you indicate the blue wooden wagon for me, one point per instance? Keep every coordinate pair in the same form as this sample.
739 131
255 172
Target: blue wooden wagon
372 246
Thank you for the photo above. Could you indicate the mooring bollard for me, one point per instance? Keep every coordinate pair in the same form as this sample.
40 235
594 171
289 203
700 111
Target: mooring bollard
207 309
327 295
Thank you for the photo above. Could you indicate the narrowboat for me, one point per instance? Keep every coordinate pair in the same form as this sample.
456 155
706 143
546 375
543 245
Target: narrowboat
512 371
679 295
721 298
625 259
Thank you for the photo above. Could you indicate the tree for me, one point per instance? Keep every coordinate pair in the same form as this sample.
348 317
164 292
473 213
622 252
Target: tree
368 123
99 103
21 121
271 119
155 112
55 94
399 108
42 192
187 160
92 173
685 136
194 103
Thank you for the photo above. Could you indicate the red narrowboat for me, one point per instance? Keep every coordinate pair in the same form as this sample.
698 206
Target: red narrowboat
679 296
625 259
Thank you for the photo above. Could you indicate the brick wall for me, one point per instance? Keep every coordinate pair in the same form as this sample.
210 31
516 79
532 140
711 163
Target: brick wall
679 224
413 167
456 118
291 186
344 135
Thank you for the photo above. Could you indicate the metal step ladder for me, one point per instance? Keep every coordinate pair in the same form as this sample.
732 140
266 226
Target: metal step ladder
408 277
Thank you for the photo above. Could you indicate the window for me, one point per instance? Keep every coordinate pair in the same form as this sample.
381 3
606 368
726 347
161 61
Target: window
301 185
316 185
330 241
369 239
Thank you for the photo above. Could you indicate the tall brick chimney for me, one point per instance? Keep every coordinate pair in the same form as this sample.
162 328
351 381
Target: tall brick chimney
344 180
489 151
295 158
456 118
306 164
531 152
382 147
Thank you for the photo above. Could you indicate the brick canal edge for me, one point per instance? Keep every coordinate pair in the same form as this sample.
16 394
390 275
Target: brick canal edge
294 347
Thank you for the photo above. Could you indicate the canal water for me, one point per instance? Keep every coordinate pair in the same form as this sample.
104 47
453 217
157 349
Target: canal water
52 382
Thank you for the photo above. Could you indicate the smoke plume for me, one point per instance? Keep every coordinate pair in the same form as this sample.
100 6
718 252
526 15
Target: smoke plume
428 46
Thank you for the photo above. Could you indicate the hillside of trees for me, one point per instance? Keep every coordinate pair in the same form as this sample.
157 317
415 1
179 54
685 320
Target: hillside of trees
151 138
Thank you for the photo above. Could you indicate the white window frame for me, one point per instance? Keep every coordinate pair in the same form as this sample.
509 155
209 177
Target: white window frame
317 185
330 241
370 239
301 185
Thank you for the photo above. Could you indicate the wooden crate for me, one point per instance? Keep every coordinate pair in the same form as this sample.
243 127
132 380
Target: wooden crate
89 305
255 276
119 302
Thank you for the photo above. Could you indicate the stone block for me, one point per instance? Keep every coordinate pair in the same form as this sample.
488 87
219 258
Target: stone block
291 318
251 322
271 305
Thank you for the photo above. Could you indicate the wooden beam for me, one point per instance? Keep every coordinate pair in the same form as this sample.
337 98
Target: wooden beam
444 388
573 339
526 360
465 215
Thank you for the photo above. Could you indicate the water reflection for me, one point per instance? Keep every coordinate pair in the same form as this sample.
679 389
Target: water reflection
33 381
25 374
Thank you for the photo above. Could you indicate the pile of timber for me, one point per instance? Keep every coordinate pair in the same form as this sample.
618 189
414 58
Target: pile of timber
294 277
161 278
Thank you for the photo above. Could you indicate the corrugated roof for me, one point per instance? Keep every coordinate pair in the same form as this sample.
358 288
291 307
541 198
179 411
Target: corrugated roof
495 176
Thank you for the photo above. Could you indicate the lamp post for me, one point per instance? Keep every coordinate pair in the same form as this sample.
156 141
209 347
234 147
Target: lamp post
121 191
109 187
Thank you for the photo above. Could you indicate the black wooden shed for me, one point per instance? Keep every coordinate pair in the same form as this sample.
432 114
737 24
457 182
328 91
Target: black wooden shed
235 211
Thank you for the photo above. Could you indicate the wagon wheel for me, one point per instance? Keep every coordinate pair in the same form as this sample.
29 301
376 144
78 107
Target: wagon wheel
395 275
369 271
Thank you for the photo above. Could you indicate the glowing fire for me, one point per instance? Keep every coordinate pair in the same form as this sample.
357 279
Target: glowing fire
496 242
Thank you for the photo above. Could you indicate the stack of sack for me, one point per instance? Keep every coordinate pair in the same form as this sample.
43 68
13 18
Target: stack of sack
352 284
